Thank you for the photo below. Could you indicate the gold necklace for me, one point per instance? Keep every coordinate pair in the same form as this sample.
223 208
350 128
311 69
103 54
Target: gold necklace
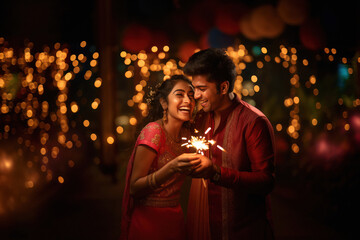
168 136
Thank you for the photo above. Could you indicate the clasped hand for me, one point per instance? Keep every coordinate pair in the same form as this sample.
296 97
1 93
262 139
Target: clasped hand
194 165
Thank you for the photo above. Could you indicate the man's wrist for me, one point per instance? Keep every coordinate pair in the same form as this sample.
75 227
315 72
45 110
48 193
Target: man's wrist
217 173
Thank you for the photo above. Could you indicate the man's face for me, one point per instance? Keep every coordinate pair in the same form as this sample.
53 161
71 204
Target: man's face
206 93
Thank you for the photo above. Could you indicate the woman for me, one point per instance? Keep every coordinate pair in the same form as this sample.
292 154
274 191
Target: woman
158 166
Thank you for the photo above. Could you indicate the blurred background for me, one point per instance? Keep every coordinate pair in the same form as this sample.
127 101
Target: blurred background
74 78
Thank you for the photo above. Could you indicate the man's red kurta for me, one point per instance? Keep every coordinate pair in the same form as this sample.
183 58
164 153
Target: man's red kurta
239 201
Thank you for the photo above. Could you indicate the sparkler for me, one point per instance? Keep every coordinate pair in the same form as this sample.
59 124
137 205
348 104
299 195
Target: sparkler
200 143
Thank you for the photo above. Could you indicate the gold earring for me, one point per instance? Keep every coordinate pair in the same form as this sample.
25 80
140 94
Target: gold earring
164 118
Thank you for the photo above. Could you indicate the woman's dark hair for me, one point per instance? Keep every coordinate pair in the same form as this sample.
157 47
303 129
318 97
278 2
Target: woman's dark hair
155 110
215 64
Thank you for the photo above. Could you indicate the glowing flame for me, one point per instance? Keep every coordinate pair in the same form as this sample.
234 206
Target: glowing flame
201 143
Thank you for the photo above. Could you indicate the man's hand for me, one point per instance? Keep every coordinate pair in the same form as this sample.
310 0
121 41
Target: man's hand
205 169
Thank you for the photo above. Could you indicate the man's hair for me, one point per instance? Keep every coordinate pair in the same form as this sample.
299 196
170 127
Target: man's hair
215 64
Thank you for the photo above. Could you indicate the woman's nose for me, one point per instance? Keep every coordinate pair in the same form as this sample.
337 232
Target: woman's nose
186 98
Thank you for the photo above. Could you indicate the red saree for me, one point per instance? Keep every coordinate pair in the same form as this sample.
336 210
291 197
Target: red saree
158 215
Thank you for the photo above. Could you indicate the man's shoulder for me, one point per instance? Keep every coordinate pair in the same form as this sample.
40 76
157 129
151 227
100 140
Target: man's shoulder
251 112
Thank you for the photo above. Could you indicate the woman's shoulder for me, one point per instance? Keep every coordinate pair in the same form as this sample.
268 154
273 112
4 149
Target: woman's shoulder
151 129
156 125
151 135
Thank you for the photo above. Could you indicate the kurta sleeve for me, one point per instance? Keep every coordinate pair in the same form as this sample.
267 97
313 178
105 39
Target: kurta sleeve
259 179
150 136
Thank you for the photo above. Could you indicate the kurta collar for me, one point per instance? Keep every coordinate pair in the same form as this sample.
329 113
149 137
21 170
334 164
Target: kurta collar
224 114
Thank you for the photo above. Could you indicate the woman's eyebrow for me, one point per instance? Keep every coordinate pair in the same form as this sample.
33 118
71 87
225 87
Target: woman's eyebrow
179 90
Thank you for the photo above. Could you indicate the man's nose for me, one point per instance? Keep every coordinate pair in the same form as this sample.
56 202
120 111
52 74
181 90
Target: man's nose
197 94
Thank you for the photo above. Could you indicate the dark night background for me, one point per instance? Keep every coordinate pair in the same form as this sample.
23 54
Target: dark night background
311 201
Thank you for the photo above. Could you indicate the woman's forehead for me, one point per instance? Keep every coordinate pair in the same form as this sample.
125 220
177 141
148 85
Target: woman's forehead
183 85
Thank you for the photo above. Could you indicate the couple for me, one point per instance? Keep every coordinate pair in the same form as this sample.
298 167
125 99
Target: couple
234 203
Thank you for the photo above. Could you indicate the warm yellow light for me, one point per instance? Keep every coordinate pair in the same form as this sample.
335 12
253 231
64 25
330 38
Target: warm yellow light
296 100
93 136
154 49
278 127
61 179
29 113
93 63
61 138
314 121
68 76
74 107
110 140
260 64
133 121
161 55
87 75
94 105
95 55
2 83
61 84
254 78
128 74
143 83
130 103
69 144
312 79
347 127
43 151
83 44
119 129
123 54
166 48
63 109
141 63
98 82
288 102
295 148
138 87
291 129
86 123
142 106
284 50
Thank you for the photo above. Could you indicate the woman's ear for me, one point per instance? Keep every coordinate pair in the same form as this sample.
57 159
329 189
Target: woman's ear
224 87
163 103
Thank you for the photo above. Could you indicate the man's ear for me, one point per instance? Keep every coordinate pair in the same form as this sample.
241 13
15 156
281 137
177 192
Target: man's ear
224 87
163 103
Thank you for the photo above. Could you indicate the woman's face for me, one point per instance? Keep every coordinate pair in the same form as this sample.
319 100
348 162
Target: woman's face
181 102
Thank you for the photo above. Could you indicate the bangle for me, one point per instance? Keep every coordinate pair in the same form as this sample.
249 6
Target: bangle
152 181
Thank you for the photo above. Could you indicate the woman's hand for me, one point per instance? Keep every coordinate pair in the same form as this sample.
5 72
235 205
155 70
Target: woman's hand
184 163
205 169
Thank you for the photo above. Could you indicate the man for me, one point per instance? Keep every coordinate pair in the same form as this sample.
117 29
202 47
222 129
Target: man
242 176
